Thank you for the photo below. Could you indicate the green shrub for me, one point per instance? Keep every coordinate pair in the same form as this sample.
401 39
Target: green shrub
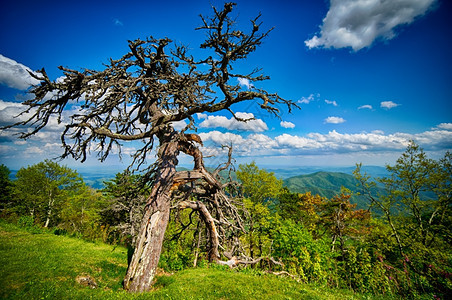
25 221
300 253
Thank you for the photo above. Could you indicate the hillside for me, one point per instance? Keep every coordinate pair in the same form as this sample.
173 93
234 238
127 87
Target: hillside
325 184
37 264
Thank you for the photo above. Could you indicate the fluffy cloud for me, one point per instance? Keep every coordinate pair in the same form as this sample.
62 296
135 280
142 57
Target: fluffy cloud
256 125
309 99
358 23
9 112
334 103
179 125
201 116
245 82
367 106
286 124
220 138
445 126
14 74
388 104
292 141
286 145
334 120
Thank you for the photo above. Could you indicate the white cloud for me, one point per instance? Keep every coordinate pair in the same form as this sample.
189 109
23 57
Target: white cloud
286 124
201 116
445 126
245 82
6 150
293 141
388 104
33 150
349 148
334 120
52 147
179 125
256 125
220 138
9 112
309 99
15 75
358 23
380 132
334 103
374 143
6 104
367 106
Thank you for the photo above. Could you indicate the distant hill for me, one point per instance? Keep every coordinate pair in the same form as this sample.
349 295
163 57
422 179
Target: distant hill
325 184
284 173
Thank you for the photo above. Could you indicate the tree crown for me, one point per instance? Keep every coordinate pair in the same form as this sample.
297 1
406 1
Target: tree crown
140 95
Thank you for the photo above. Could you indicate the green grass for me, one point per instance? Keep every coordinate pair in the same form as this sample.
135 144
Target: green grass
41 265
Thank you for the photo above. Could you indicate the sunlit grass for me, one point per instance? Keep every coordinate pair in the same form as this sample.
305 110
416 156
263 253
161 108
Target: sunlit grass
45 266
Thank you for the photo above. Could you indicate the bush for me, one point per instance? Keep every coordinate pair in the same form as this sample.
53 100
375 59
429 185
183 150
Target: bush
300 253
25 221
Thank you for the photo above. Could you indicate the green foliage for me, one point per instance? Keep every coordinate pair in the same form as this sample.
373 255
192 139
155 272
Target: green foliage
180 248
80 213
417 214
26 221
300 253
46 266
49 195
258 236
40 191
5 188
257 184
126 196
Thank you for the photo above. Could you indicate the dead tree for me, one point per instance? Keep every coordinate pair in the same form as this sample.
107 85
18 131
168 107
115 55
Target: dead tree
137 98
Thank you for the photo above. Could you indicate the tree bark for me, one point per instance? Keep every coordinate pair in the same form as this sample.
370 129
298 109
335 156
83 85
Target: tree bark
143 265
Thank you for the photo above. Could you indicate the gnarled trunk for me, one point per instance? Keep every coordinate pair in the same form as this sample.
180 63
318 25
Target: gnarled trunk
146 256
143 265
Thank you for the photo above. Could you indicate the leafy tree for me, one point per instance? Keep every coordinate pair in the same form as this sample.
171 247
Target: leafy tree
137 98
418 189
80 212
126 197
261 190
441 183
259 185
303 209
300 252
258 230
417 209
41 189
343 221
5 187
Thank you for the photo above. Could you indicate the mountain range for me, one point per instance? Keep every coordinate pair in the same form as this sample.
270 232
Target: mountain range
326 184
324 181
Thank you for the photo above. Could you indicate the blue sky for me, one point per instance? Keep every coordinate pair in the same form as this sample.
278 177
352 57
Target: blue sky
369 75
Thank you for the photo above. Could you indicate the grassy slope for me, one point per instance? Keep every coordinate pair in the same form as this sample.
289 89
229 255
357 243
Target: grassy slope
44 266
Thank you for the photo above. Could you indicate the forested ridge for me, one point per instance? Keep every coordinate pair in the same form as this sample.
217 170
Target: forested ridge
399 244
